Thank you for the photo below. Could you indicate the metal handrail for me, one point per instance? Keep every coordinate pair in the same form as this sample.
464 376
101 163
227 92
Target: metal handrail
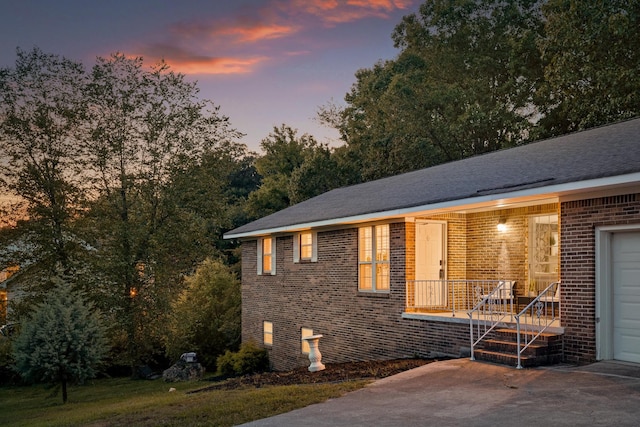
492 310
539 308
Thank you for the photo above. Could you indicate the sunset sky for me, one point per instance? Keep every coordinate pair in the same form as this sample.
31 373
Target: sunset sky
265 62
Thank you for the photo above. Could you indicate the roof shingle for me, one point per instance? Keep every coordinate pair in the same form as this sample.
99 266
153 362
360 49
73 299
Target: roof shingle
596 153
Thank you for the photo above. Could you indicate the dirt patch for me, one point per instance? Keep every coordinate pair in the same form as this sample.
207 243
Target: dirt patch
334 372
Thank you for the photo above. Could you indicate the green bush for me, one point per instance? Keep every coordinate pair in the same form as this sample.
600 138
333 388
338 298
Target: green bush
7 374
248 360
206 315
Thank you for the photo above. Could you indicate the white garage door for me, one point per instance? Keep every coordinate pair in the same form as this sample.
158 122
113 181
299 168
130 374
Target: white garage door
626 296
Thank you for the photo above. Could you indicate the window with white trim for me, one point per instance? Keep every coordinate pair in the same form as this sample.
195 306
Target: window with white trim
543 251
267 333
305 247
305 332
373 258
266 256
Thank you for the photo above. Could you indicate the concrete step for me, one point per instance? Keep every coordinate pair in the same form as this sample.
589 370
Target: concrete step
503 348
512 359
505 358
512 334
511 347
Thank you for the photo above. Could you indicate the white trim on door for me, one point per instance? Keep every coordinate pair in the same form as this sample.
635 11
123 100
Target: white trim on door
604 287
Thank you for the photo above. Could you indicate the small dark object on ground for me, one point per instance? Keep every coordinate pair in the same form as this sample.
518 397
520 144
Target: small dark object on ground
334 373
145 372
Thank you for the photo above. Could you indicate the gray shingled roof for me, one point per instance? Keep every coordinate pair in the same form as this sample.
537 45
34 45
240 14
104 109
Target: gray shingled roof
596 153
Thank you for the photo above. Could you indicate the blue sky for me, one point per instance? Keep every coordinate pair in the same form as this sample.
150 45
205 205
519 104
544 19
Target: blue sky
265 62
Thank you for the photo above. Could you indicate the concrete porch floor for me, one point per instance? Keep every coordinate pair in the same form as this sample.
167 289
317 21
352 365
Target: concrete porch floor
462 317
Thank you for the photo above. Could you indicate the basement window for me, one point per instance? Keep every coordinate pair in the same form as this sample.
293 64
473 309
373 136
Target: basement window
267 333
305 332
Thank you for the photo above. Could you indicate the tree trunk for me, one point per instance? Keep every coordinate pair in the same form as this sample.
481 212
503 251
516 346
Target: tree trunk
64 390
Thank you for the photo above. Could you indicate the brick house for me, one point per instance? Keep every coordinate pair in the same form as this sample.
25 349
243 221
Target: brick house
391 268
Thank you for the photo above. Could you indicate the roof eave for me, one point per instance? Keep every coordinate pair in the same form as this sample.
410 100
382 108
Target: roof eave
556 190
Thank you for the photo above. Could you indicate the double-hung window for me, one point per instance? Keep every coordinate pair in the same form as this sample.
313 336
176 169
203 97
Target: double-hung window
305 247
266 256
267 333
373 258
543 251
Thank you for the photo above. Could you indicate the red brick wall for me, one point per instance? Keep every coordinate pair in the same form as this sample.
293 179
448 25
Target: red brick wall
324 296
478 251
577 263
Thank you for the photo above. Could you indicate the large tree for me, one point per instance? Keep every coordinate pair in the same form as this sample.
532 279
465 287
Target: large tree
478 75
592 64
129 178
147 129
42 108
462 84
284 152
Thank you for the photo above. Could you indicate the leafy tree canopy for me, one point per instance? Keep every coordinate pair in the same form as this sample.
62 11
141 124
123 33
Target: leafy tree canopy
592 64
462 85
293 168
41 110
474 76
129 179
206 314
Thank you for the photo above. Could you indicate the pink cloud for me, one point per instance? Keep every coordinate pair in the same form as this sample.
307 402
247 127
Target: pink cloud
239 44
186 61
388 5
298 53
342 11
257 32
217 65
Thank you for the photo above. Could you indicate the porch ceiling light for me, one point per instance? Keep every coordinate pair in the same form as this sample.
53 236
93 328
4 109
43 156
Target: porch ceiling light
502 224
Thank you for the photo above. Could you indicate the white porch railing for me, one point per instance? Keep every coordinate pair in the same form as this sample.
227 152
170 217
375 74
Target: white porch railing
452 296
490 312
537 317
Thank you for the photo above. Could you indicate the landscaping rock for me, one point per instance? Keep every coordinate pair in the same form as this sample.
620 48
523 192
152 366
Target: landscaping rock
183 371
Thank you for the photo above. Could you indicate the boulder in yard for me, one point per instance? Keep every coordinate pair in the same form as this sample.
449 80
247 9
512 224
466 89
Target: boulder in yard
183 371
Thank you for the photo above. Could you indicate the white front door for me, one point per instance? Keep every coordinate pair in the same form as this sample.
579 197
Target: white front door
430 289
626 296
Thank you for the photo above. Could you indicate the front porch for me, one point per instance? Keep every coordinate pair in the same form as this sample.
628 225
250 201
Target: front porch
455 298
501 328
487 300
453 259
487 268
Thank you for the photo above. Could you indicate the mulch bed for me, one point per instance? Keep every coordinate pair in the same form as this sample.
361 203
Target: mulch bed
334 373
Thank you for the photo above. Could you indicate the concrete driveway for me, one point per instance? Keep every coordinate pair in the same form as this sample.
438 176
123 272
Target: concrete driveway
464 393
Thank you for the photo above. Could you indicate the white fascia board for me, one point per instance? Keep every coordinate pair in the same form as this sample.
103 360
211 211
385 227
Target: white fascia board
537 192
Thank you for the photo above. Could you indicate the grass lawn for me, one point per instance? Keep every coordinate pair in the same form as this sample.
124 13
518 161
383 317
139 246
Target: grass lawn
125 402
